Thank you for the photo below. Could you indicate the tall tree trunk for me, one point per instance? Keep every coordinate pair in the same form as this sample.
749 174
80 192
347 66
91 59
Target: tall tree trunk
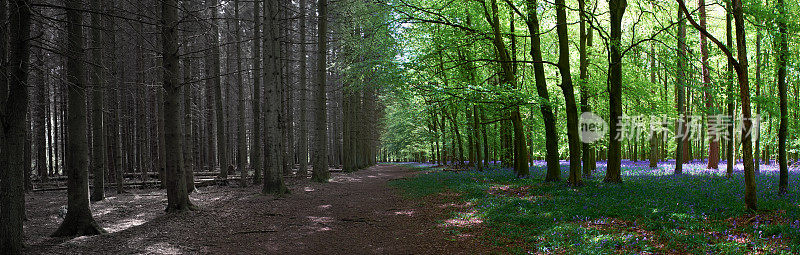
79 220
757 130
49 118
255 155
520 151
98 123
617 11
14 102
729 81
713 146
783 56
485 138
222 144
550 131
211 73
470 137
177 195
569 95
161 139
241 131
273 178
680 91
188 157
744 92
41 111
302 140
119 177
320 172
479 156
654 136
740 66
589 164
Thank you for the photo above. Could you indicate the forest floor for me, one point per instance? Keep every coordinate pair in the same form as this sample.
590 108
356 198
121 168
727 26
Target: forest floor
651 212
355 213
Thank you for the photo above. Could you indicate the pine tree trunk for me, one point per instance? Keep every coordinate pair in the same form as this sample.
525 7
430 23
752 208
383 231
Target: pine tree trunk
222 142
79 220
14 130
241 131
177 195
98 122
211 73
41 110
188 156
273 178
255 156
320 171
119 177
302 140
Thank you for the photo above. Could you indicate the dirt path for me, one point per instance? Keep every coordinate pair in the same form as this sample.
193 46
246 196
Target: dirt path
355 213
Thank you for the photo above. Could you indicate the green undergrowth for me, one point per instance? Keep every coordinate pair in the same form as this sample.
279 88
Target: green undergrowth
687 214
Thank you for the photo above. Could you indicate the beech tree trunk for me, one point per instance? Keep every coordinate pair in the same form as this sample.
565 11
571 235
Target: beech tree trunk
569 95
713 146
680 91
589 164
729 80
783 55
550 131
617 11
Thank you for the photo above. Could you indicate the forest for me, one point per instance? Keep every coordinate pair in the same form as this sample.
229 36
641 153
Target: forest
399 127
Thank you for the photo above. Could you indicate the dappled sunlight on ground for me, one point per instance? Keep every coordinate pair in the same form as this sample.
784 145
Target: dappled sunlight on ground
345 179
404 212
124 224
464 220
652 212
357 213
163 248
457 205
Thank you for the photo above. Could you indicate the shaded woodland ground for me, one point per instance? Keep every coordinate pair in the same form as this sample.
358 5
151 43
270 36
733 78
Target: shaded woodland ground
356 213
